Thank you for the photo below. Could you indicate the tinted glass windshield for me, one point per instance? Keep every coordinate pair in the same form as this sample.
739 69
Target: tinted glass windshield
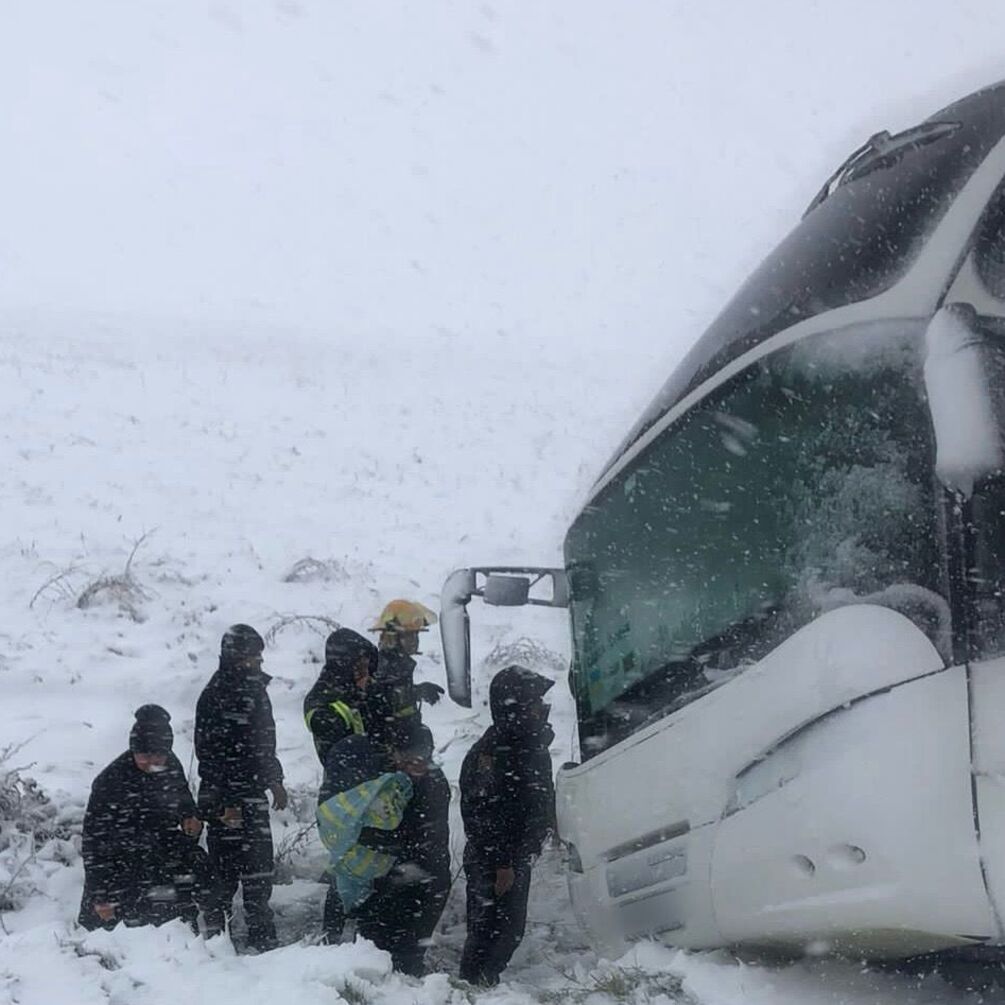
803 484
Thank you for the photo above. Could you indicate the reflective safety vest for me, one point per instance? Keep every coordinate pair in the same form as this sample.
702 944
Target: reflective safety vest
347 713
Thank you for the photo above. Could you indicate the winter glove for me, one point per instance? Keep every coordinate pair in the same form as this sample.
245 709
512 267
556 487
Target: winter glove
429 692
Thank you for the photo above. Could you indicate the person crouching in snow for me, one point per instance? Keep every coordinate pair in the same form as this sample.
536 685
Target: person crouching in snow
142 860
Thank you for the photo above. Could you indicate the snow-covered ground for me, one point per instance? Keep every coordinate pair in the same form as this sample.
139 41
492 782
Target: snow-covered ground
238 455
378 286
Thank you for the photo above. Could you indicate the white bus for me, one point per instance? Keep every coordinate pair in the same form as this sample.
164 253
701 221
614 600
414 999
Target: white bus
787 589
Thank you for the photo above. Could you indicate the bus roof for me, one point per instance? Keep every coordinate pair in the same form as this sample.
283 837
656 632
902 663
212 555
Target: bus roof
859 236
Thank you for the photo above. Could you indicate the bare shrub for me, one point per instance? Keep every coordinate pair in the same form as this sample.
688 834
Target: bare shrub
122 590
28 820
24 807
313 570
127 594
320 624
299 847
525 652
611 982
293 852
58 586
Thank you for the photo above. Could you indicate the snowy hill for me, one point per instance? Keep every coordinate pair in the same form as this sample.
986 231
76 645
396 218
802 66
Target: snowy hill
302 306
167 488
238 459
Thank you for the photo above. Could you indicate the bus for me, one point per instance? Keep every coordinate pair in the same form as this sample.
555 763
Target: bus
786 590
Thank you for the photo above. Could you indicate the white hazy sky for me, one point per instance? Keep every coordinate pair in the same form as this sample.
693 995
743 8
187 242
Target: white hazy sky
577 170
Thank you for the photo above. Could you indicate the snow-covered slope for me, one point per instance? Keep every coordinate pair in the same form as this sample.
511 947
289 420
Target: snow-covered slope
237 458
379 286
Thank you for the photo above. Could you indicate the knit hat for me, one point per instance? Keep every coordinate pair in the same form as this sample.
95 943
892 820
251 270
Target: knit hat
151 733
239 642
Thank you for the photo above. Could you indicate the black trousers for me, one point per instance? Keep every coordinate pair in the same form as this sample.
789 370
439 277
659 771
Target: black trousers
402 912
243 855
495 924
171 878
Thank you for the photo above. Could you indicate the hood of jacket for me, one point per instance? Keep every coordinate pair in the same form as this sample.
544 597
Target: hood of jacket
513 696
343 649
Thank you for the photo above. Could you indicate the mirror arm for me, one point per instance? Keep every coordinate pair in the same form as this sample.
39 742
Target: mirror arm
455 632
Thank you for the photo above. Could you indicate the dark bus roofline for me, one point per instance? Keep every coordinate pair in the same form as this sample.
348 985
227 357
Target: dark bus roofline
852 245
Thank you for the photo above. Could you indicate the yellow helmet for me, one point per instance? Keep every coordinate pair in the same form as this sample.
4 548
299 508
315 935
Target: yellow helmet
404 616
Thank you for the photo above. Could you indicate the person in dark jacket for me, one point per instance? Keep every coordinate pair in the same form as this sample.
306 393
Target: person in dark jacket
336 707
405 907
394 693
350 762
235 741
508 805
142 860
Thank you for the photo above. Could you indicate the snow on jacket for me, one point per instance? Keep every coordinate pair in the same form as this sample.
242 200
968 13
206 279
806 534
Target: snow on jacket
235 739
394 695
507 797
128 815
424 835
335 708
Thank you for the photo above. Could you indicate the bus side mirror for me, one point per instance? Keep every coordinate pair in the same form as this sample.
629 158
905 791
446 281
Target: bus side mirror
506 591
500 587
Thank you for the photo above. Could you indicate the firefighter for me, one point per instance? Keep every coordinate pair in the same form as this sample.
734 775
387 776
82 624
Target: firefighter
142 860
235 741
399 627
335 707
508 806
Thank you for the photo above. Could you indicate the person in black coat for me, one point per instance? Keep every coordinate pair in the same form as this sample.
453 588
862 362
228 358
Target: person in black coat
405 907
335 709
336 706
394 695
508 806
401 913
142 860
235 741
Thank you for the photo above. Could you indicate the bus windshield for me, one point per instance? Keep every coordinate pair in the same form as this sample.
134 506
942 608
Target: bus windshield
804 483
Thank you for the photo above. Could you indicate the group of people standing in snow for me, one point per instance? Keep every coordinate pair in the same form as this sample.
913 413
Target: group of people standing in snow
383 805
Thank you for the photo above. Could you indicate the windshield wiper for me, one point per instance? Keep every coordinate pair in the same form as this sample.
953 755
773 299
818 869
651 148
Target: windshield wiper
881 151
